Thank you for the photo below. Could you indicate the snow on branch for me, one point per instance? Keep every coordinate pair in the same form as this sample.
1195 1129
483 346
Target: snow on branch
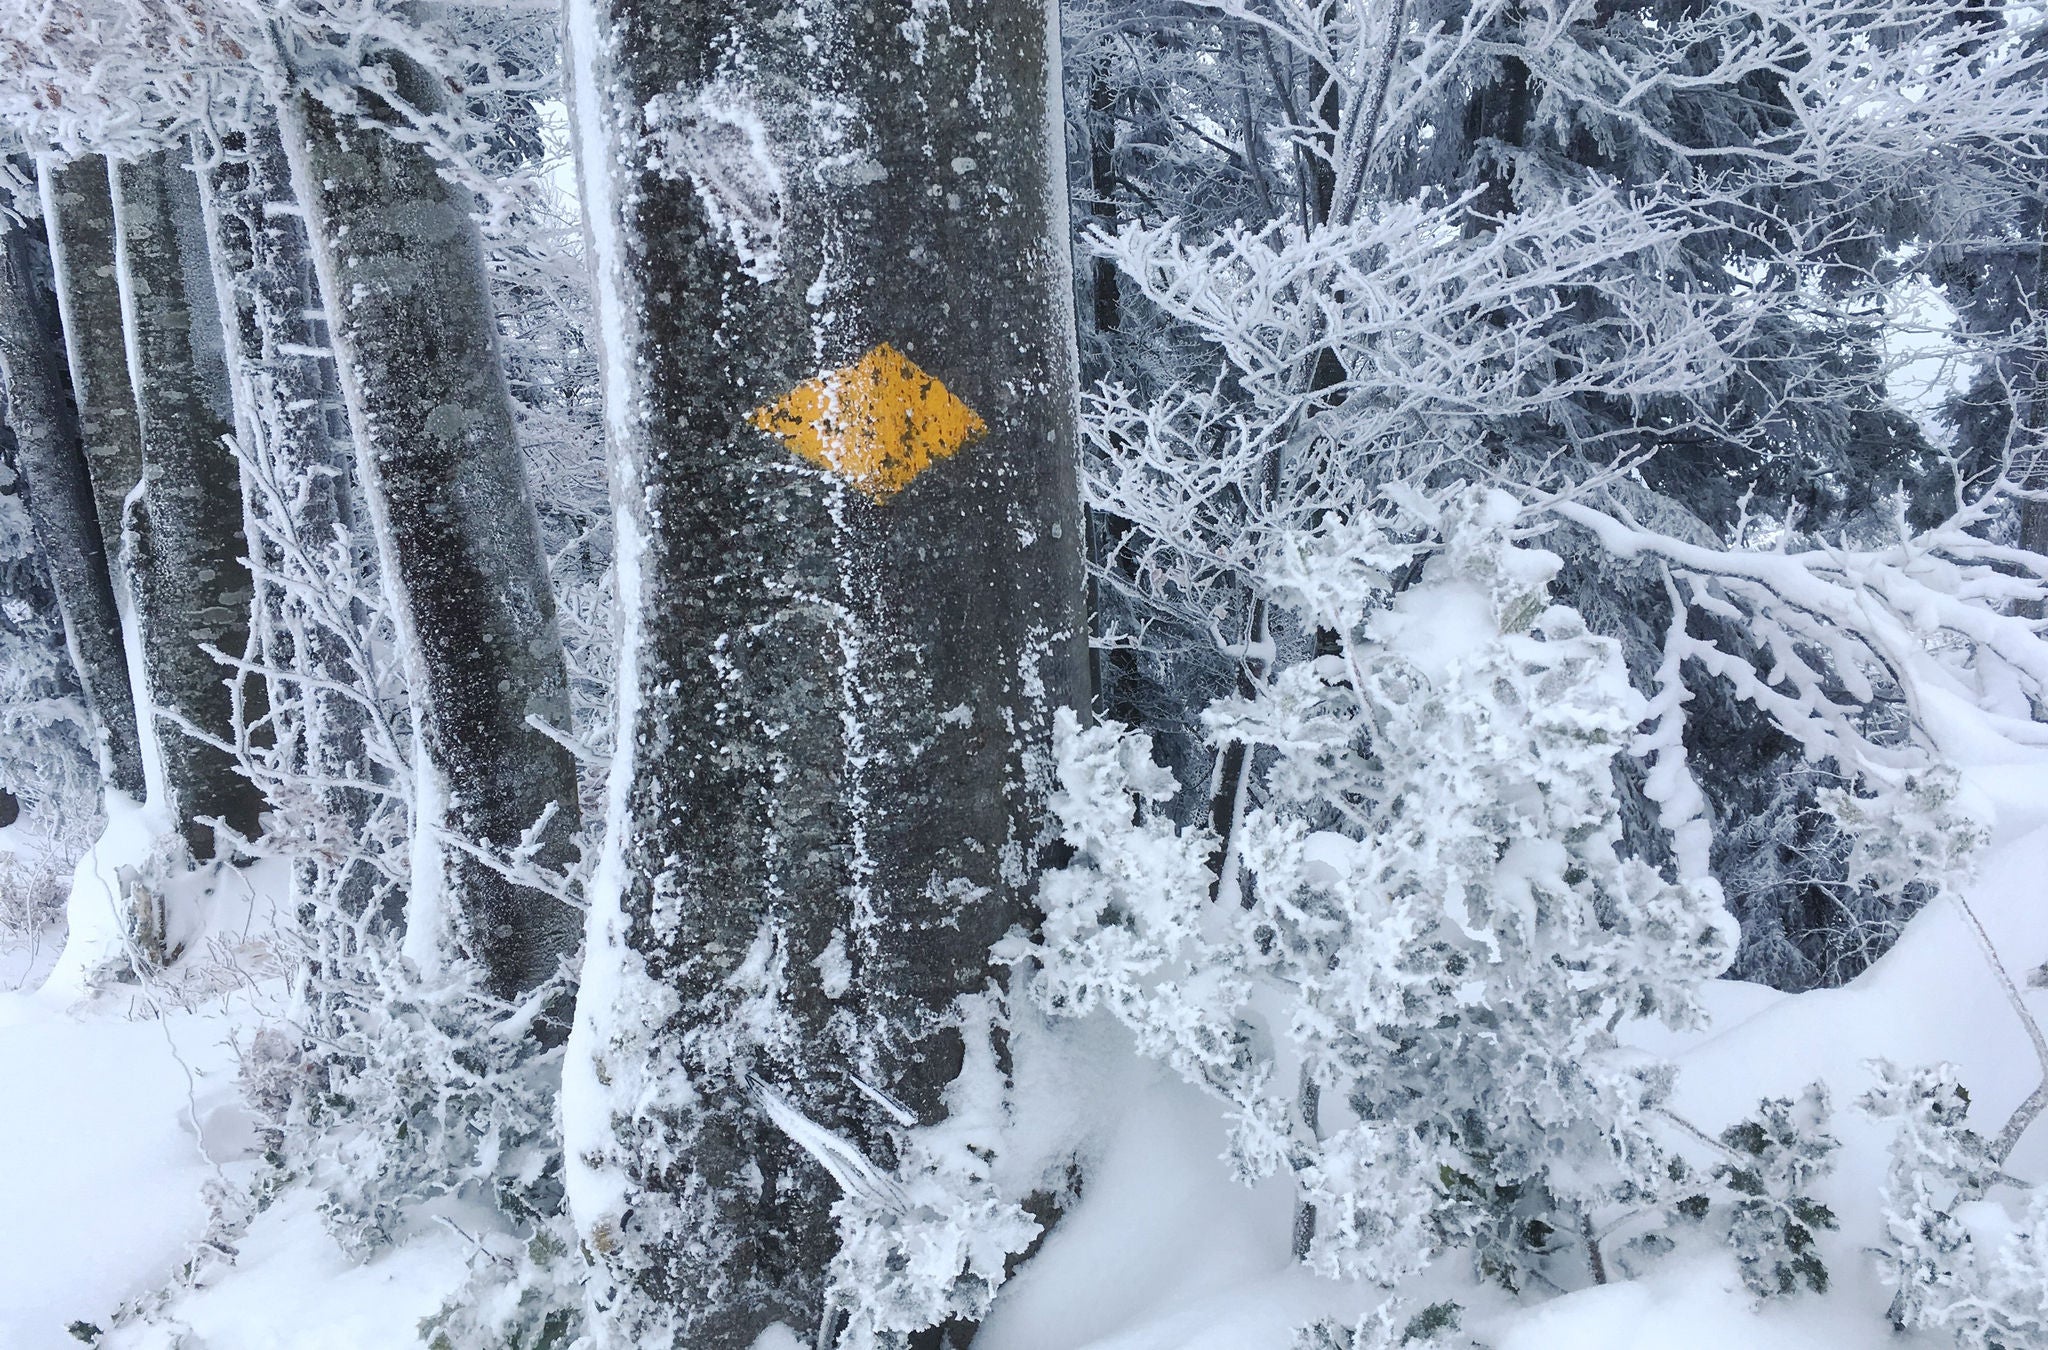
1927 622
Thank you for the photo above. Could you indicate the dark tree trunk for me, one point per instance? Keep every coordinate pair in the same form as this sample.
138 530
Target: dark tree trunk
416 343
840 676
1114 677
52 458
1108 298
78 207
2030 403
1496 123
192 590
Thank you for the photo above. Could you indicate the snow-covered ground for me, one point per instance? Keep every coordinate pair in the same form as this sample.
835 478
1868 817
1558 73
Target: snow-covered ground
119 1111
102 1189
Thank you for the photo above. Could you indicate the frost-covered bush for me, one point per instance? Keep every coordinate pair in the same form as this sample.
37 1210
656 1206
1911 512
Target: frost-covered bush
1411 1006
520 1295
1761 1204
34 884
405 1100
424 1097
932 1242
1387 1327
1910 842
1958 1262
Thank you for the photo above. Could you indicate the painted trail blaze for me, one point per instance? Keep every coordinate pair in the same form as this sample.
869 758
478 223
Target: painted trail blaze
877 423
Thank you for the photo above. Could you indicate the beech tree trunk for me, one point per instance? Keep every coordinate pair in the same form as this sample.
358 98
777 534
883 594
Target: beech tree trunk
192 590
844 644
54 724
416 342
52 458
260 269
2030 400
297 493
78 209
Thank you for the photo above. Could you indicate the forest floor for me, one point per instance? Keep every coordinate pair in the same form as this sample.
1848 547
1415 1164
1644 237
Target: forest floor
121 1113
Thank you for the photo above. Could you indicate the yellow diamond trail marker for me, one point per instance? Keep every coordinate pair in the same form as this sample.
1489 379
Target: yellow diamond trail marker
877 423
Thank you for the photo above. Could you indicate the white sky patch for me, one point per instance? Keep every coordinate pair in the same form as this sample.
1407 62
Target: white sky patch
558 163
1923 366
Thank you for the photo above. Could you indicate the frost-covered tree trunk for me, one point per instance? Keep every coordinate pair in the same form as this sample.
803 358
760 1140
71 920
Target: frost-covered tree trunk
51 456
48 760
78 209
259 263
416 342
2030 384
297 476
192 589
838 323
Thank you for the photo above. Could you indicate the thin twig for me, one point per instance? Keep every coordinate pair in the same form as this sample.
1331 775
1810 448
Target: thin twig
2028 1111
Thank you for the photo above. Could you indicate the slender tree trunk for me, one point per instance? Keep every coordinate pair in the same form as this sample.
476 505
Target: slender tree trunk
192 590
52 458
2030 402
78 208
416 342
850 616
1114 675
1108 297
296 475
50 772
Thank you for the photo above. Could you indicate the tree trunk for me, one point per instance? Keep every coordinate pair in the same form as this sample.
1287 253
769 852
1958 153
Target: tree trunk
273 373
78 208
2030 407
48 764
1114 675
192 590
850 616
52 458
416 342
296 481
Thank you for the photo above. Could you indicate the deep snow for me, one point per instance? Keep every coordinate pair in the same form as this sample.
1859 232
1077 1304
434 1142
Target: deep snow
120 1107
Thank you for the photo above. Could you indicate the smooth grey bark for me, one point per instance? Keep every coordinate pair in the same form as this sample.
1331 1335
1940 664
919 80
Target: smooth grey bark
51 456
78 210
192 590
842 706
416 342
2030 399
297 478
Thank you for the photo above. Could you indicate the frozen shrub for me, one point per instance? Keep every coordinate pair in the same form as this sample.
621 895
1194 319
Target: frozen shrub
1958 1262
1413 1008
1384 1328
33 886
421 1100
931 1243
1761 1204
